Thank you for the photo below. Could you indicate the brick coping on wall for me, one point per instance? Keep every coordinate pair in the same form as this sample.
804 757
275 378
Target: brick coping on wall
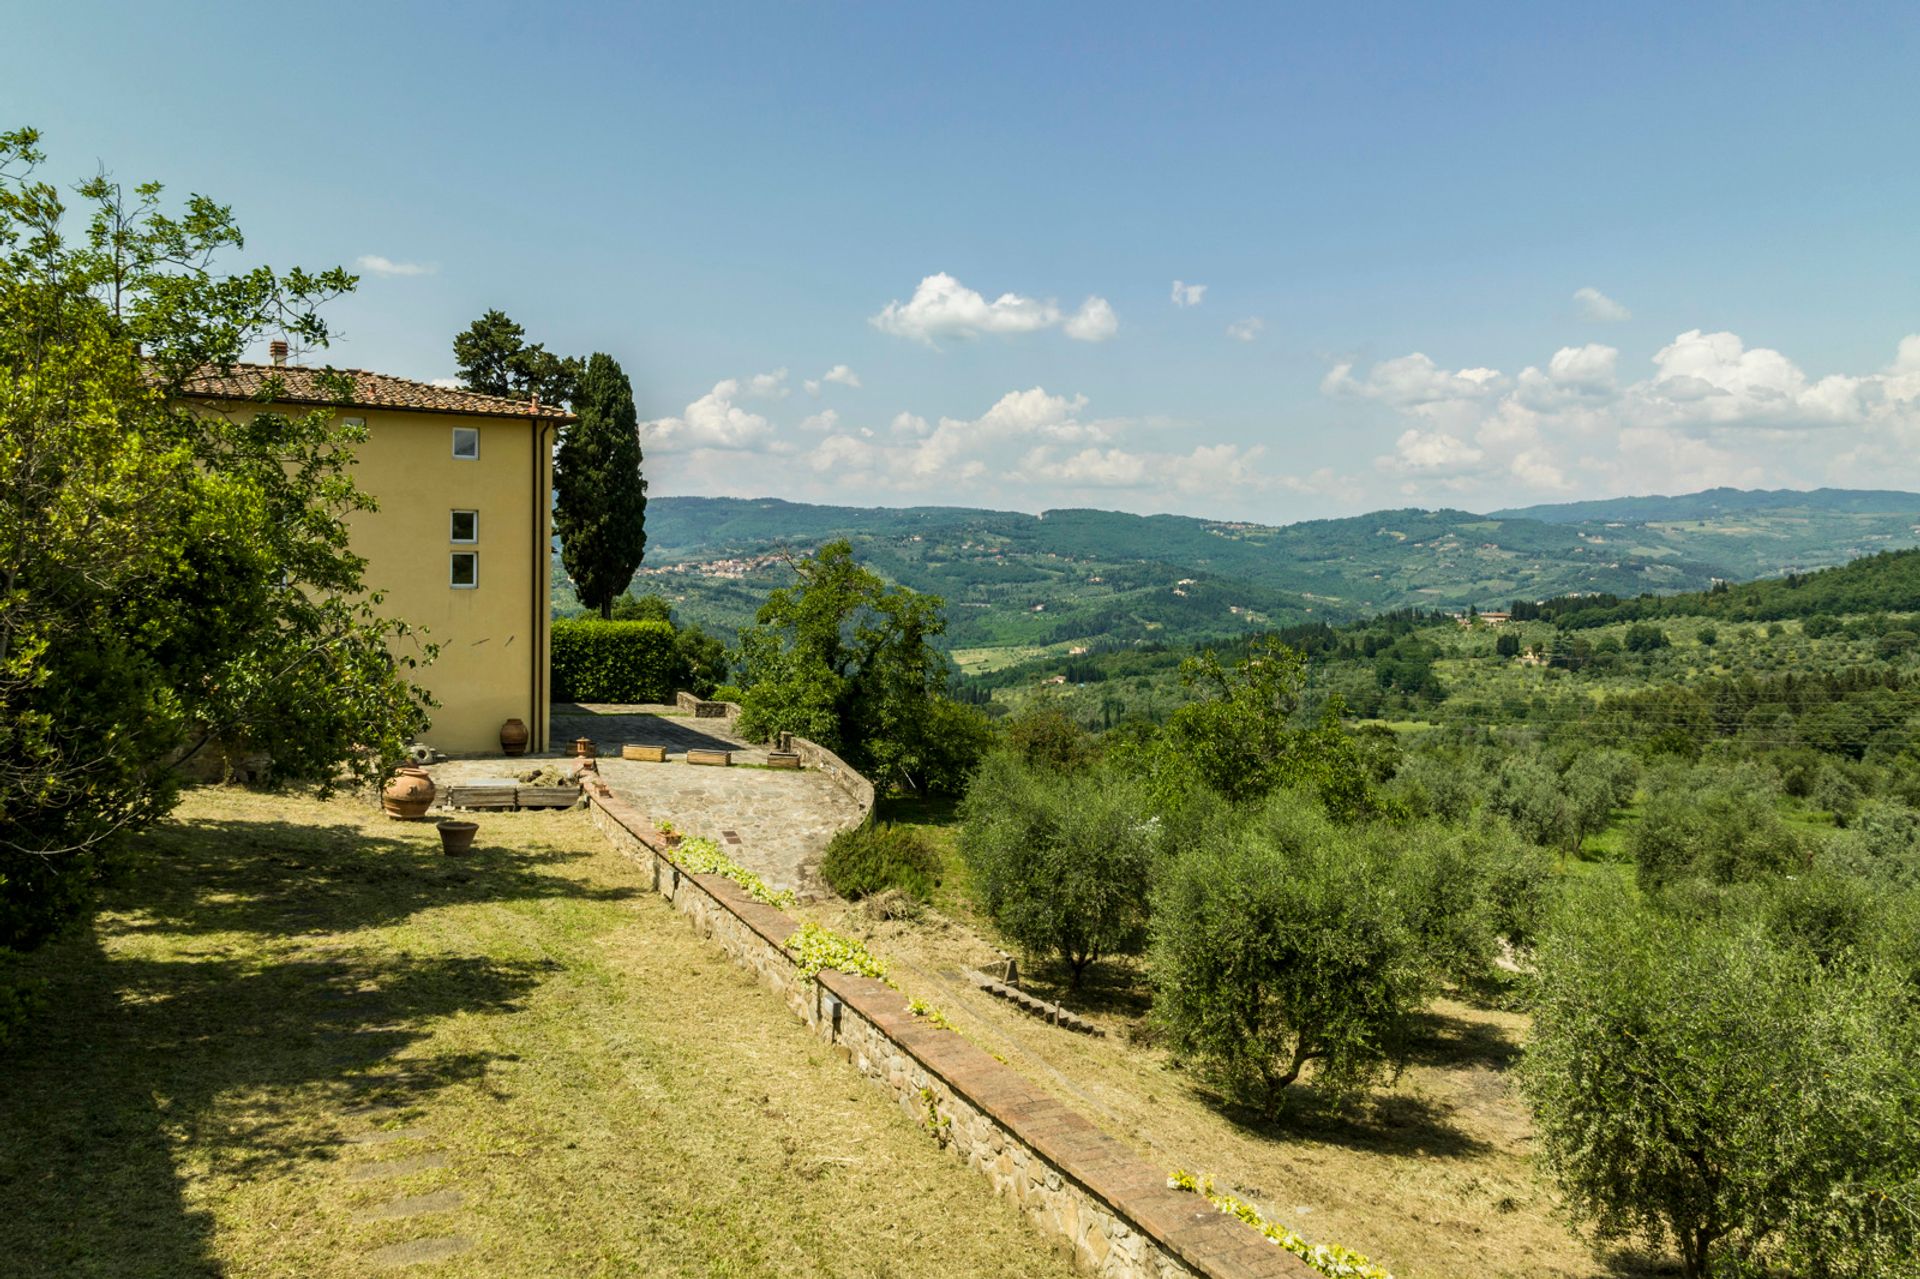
1187 1234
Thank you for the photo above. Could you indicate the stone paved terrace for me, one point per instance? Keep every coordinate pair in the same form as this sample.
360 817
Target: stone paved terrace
774 822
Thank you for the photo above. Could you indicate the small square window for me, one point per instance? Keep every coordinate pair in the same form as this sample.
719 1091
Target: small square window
464 572
466 527
466 441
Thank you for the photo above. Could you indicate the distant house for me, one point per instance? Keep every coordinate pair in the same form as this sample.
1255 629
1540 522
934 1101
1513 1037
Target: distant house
461 543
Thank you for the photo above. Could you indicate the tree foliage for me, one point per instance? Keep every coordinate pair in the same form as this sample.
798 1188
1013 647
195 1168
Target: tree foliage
600 497
495 358
1704 1089
1284 946
844 659
1062 862
170 579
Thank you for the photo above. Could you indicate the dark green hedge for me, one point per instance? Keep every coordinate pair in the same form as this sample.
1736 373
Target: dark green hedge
598 661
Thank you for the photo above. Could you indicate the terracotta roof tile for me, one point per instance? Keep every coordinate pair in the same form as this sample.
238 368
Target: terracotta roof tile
301 385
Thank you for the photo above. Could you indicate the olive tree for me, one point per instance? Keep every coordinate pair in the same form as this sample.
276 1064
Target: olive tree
1284 947
1062 862
1704 1089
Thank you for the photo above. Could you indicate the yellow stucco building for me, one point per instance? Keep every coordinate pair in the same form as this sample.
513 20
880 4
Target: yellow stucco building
461 541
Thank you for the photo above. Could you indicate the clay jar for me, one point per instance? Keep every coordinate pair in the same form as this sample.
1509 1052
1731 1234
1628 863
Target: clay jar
409 794
513 737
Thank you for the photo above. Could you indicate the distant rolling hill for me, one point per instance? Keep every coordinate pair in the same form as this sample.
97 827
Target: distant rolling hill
1069 578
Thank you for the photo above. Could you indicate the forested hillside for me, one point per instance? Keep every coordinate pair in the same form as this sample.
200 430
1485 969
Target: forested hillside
1020 586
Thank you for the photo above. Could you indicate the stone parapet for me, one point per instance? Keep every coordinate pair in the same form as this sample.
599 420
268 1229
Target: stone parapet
1116 1210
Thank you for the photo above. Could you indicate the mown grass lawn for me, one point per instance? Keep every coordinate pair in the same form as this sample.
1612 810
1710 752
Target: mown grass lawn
297 1036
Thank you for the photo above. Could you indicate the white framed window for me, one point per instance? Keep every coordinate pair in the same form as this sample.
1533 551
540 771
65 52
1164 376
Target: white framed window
464 527
466 442
463 570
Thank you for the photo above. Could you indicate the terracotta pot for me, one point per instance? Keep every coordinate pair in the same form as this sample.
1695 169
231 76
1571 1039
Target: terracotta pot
670 841
584 747
513 737
457 837
409 794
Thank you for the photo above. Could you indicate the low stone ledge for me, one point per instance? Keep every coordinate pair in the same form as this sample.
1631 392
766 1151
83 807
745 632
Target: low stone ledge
1117 1212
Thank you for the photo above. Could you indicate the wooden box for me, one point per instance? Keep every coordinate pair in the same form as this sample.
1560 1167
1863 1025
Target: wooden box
782 759
547 796
720 758
489 796
649 754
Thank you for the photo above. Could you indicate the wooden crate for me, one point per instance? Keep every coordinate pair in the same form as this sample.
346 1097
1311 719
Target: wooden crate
482 796
720 758
782 759
647 754
547 796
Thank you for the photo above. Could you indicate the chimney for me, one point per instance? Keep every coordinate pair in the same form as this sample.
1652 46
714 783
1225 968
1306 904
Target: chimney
536 404
278 350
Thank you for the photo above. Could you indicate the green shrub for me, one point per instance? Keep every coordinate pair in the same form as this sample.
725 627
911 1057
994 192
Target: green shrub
600 661
869 859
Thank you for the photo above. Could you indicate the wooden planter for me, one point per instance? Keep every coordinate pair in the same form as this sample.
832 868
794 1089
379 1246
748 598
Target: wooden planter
498 796
721 759
782 759
647 754
547 796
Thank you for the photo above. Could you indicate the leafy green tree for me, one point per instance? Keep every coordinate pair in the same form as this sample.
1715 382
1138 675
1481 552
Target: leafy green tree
1062 863
1531 796
170 579
1718 825
1243 741
1645 638
1283 947
845 660
1507 645
642 608
1701 1089
495 358
600 497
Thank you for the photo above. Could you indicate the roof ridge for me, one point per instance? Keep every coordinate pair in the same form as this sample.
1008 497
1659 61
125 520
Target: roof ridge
373 389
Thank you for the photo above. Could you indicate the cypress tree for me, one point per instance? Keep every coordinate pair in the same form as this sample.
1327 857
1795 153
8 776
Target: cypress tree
600 499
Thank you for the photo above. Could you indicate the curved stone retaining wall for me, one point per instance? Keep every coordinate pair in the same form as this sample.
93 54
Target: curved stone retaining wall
1115 1209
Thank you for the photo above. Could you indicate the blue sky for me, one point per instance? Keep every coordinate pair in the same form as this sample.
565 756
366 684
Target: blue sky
1467 255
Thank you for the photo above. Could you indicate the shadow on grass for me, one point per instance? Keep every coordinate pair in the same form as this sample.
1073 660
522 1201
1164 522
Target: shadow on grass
1442 1040
1381 1123
193 1030
1114 987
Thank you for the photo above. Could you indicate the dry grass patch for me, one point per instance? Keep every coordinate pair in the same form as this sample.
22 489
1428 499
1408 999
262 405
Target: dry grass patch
294 1019
1432 1177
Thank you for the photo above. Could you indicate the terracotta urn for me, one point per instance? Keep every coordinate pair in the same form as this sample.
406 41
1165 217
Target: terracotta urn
409 794
513 737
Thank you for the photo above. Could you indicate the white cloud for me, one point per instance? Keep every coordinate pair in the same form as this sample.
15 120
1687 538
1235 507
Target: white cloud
1093 322
1246 330
768 386
1711 410
713 421
1595 305
825 420
839 374
374 264
447 383
1188 294
942 307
